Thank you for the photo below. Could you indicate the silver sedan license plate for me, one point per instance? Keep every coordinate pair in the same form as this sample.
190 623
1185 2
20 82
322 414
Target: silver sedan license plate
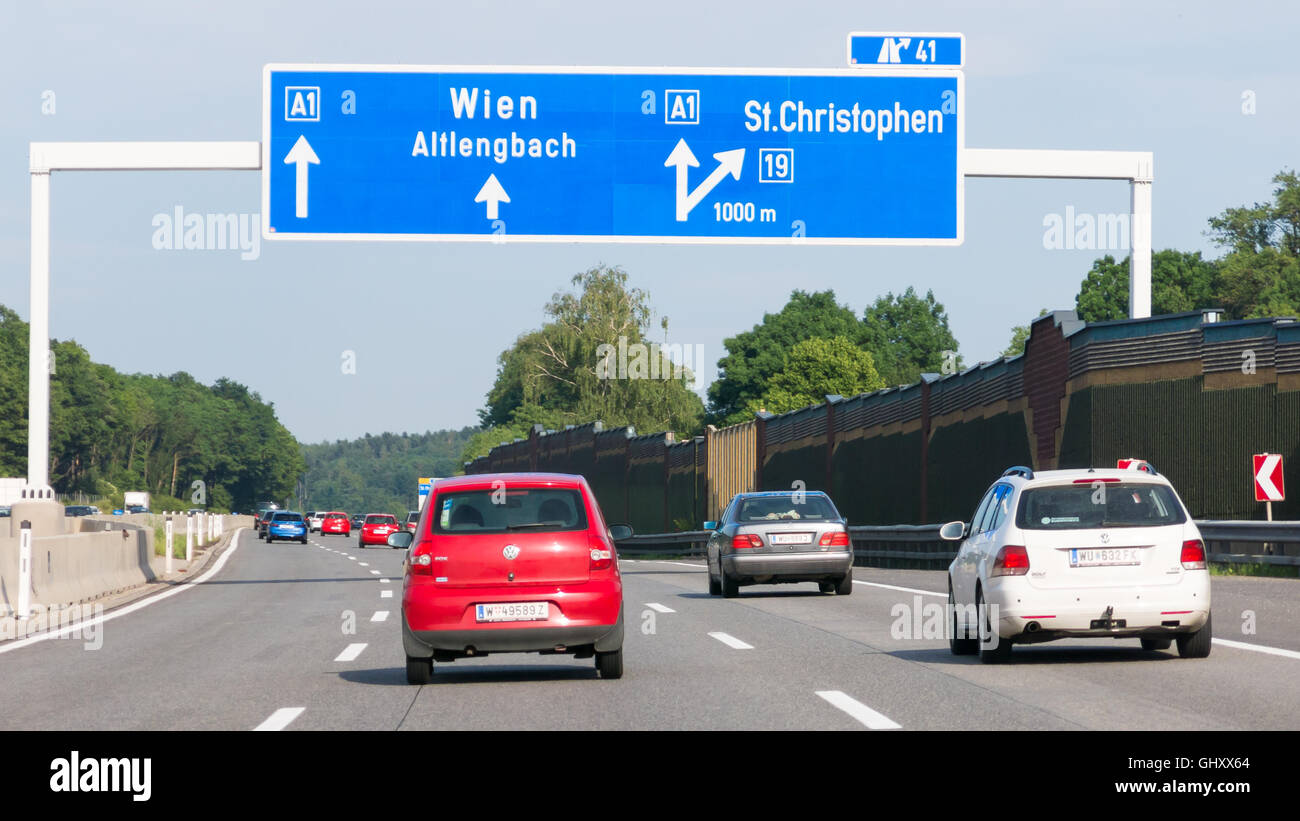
791 538
512 611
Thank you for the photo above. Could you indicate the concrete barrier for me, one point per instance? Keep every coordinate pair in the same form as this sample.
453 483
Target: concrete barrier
99 556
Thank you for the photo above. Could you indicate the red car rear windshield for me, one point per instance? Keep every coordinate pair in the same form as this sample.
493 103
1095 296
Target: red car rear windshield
542 509
381 520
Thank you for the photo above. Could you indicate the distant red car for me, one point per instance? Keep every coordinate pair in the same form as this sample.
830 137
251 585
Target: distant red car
377 528
533 571
336 522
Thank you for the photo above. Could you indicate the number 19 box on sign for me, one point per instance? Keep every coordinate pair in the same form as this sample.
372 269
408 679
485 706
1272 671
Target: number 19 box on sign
674 155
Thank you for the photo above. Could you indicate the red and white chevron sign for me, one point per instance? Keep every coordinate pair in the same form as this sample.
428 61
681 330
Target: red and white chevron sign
1268 478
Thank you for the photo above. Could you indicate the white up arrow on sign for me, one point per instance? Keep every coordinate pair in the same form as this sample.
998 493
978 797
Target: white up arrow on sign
729 162
493 194
301 155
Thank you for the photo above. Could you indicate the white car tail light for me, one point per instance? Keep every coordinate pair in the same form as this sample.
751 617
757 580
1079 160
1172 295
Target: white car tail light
1012 560
1193 555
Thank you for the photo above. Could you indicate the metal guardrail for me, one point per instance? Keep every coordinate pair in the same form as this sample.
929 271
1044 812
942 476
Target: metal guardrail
920 545
1280 540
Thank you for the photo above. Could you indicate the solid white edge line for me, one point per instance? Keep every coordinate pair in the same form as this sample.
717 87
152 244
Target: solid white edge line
351 652
858 710
904 589
1258 648
731 641
279 719
659 608
131 608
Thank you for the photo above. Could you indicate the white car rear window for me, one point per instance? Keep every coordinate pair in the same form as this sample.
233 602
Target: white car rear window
1098 505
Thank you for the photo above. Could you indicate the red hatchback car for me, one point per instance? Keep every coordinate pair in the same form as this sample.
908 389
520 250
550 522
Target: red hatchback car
377 528
511 563
336 522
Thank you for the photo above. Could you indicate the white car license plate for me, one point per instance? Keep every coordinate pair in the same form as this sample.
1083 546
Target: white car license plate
791 538
1105 557
514 611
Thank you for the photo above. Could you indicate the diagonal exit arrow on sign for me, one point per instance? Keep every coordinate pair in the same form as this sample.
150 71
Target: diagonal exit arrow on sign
729 162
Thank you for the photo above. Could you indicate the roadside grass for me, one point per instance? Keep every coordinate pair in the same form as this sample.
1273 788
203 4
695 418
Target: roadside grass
160 538
1278 571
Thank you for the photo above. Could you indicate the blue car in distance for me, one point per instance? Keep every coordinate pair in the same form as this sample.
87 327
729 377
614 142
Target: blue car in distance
286 525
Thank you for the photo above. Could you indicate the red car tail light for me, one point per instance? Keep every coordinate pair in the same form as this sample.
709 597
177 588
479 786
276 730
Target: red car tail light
1193 555
1012 560
602 555
745 541
838 538
422 559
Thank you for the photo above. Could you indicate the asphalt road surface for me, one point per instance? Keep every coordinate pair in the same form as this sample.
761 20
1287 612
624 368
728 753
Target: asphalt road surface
306 637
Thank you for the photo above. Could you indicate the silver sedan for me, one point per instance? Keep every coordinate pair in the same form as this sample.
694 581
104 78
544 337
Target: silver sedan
778 537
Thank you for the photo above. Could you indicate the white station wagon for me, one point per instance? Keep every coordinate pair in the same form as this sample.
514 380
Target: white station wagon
1078 554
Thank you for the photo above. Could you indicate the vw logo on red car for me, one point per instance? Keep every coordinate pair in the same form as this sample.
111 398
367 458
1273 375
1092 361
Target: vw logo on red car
511 552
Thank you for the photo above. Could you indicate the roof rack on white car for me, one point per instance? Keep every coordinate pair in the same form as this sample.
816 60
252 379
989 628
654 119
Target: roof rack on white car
1019 470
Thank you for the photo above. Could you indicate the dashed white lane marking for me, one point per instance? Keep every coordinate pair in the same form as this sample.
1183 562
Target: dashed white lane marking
732 641
352 558
659 608
385 594
384 581
858 710
380 615
904 589
375 572
364 564
351 652
1258 648
279 719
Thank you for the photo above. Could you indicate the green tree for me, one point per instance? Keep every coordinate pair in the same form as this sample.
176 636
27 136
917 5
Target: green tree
1019 336
1259 275
816 367
1180 281
753 357
593 360
111 432
909 335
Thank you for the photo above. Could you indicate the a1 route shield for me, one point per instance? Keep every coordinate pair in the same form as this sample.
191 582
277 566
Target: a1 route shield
830 156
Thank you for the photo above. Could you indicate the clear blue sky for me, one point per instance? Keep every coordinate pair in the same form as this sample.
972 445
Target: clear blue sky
1163 77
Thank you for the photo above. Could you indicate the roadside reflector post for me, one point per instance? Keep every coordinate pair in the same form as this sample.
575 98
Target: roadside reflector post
167 565
24 570
189 537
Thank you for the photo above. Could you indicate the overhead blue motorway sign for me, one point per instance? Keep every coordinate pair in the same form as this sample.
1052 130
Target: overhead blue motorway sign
874 49
822 156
